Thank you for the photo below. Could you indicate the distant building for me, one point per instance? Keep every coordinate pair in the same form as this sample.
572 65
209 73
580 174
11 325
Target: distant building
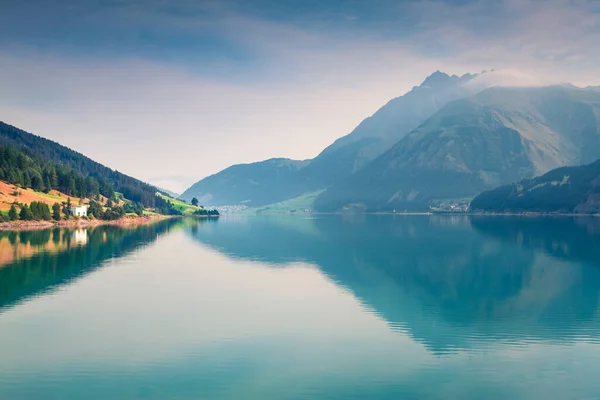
79 211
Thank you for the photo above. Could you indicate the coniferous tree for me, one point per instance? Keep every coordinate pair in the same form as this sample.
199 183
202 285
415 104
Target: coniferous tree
95 209
53 179
37 182
25 214
56 212
12 213
47 184
72 187
26 180
40 210
67 208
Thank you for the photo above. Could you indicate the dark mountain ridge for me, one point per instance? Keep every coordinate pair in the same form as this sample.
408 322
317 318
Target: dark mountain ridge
562 190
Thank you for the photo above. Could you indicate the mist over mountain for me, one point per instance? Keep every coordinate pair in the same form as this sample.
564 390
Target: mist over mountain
495 137
450 137
269 181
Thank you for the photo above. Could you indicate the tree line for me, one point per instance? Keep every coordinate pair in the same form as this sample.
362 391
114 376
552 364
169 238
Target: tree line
166 207
34 162
203 211
27 171
40 211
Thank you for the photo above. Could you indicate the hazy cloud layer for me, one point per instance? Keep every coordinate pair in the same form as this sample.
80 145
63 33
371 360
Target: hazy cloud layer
162 89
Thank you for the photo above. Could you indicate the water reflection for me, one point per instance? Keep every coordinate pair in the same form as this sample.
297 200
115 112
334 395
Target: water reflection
375 307
451 282
33 262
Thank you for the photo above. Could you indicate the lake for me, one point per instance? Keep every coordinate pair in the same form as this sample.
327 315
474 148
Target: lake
299 307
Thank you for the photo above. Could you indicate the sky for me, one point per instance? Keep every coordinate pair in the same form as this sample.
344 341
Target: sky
173 91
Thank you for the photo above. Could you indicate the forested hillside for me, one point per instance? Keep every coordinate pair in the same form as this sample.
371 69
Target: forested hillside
19 167
32 161
563 190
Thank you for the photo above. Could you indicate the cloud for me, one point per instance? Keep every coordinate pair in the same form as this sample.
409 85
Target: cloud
151 120
553 38
507 77
160 88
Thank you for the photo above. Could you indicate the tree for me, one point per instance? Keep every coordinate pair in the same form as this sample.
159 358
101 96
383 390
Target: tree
95 209
72 187
40 210
26 180
109 203
26 214
12 213
195 202
113 213
44 211
91 187
47 184
53 179
56 212
67 208
37 182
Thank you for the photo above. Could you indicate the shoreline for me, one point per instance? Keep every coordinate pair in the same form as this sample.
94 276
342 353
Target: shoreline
421 213
81 223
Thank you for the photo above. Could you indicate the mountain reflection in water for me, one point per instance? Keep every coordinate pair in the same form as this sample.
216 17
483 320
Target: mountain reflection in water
449 281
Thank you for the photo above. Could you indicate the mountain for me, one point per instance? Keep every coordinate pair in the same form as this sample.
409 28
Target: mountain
562 190
495 137
275 180
255 183
393 121
62 159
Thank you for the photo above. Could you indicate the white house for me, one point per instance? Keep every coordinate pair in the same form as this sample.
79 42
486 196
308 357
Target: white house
79 211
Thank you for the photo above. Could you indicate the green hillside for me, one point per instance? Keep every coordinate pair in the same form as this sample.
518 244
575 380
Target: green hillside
298 204
182 206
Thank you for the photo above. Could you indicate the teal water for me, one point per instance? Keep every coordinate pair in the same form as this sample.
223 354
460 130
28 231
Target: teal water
332 307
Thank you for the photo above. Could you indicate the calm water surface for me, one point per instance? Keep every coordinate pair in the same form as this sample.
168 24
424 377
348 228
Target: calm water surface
372 307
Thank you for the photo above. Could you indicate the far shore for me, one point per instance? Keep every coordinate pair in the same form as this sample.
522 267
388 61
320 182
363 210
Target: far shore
81 222
470 214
